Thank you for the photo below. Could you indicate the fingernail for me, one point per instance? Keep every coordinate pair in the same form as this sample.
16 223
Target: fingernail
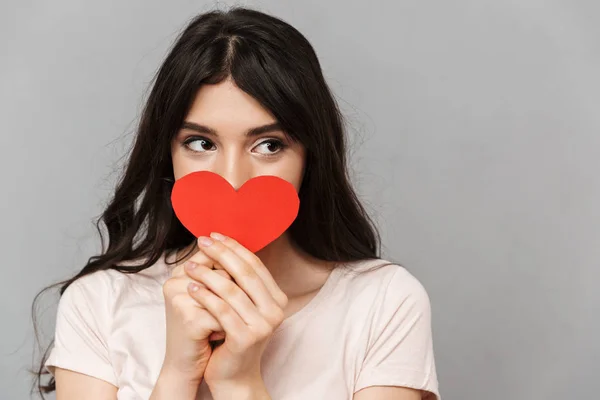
190 265
193 287
205 241
217 236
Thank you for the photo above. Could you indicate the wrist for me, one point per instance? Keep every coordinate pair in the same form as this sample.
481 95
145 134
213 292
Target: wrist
242 390
172 381
182 372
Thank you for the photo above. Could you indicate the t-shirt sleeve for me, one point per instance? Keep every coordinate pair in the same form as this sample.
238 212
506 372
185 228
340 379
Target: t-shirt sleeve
400 348
82 323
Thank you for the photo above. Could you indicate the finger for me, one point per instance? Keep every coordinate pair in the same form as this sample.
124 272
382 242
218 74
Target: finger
191 265
201 318
199 258
180 285
223 273
253 260
227 291
244 275
230 320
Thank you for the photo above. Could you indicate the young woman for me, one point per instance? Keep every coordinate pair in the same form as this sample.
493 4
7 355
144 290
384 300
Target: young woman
314 315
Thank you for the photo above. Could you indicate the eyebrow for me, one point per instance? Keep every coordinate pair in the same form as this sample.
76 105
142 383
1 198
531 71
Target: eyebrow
259 130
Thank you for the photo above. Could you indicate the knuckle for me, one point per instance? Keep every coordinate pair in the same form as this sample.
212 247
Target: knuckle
263 331
223 273
231 290
247 273
276 315
189 321
198 274
169 287
223 309
255 260
282 299
180 303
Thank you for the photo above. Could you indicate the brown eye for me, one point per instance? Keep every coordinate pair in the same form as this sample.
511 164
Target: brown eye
199 144
270 147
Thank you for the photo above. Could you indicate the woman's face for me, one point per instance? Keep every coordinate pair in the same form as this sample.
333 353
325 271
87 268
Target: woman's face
229 133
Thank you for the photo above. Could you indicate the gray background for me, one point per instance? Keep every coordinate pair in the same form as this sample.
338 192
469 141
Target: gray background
475 132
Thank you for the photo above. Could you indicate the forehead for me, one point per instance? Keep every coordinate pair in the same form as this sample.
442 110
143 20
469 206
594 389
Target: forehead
225 106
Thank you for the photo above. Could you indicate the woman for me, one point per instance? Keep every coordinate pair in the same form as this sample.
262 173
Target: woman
314 315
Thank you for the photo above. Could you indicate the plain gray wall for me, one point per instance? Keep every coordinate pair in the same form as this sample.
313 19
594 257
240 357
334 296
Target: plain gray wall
476 132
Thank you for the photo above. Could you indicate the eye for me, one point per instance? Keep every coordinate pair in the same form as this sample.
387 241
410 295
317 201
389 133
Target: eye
270 147
199 144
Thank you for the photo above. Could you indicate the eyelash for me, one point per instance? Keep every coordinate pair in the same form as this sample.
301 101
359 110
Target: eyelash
282 146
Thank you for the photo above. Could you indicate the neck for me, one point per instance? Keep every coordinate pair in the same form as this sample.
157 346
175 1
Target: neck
281 257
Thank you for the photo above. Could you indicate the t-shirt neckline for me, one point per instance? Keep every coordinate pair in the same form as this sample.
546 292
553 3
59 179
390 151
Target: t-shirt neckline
308 308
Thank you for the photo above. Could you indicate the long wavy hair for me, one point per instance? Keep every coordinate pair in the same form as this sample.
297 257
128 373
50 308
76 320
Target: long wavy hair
275 64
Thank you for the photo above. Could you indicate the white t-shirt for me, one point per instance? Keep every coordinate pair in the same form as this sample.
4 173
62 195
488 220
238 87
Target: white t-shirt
360 330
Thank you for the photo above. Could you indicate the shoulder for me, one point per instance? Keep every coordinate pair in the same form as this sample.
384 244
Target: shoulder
90 290
383 276
387 285
99 290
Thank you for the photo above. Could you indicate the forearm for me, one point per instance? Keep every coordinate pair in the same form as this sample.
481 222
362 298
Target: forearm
171 386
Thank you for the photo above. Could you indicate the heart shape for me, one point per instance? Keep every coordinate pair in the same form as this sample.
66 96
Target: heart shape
255 215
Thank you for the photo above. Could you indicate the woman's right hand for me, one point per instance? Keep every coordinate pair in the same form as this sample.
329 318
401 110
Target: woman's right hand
190 326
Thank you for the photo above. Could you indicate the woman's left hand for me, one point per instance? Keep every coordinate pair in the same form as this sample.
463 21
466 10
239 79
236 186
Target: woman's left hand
249 310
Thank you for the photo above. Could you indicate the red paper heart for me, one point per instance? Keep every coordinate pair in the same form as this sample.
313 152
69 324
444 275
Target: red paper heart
257 214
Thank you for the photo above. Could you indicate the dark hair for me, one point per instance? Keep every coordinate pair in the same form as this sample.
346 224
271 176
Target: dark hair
271 61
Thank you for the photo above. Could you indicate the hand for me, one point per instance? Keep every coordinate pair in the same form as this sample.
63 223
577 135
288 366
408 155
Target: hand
190 327
249 310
